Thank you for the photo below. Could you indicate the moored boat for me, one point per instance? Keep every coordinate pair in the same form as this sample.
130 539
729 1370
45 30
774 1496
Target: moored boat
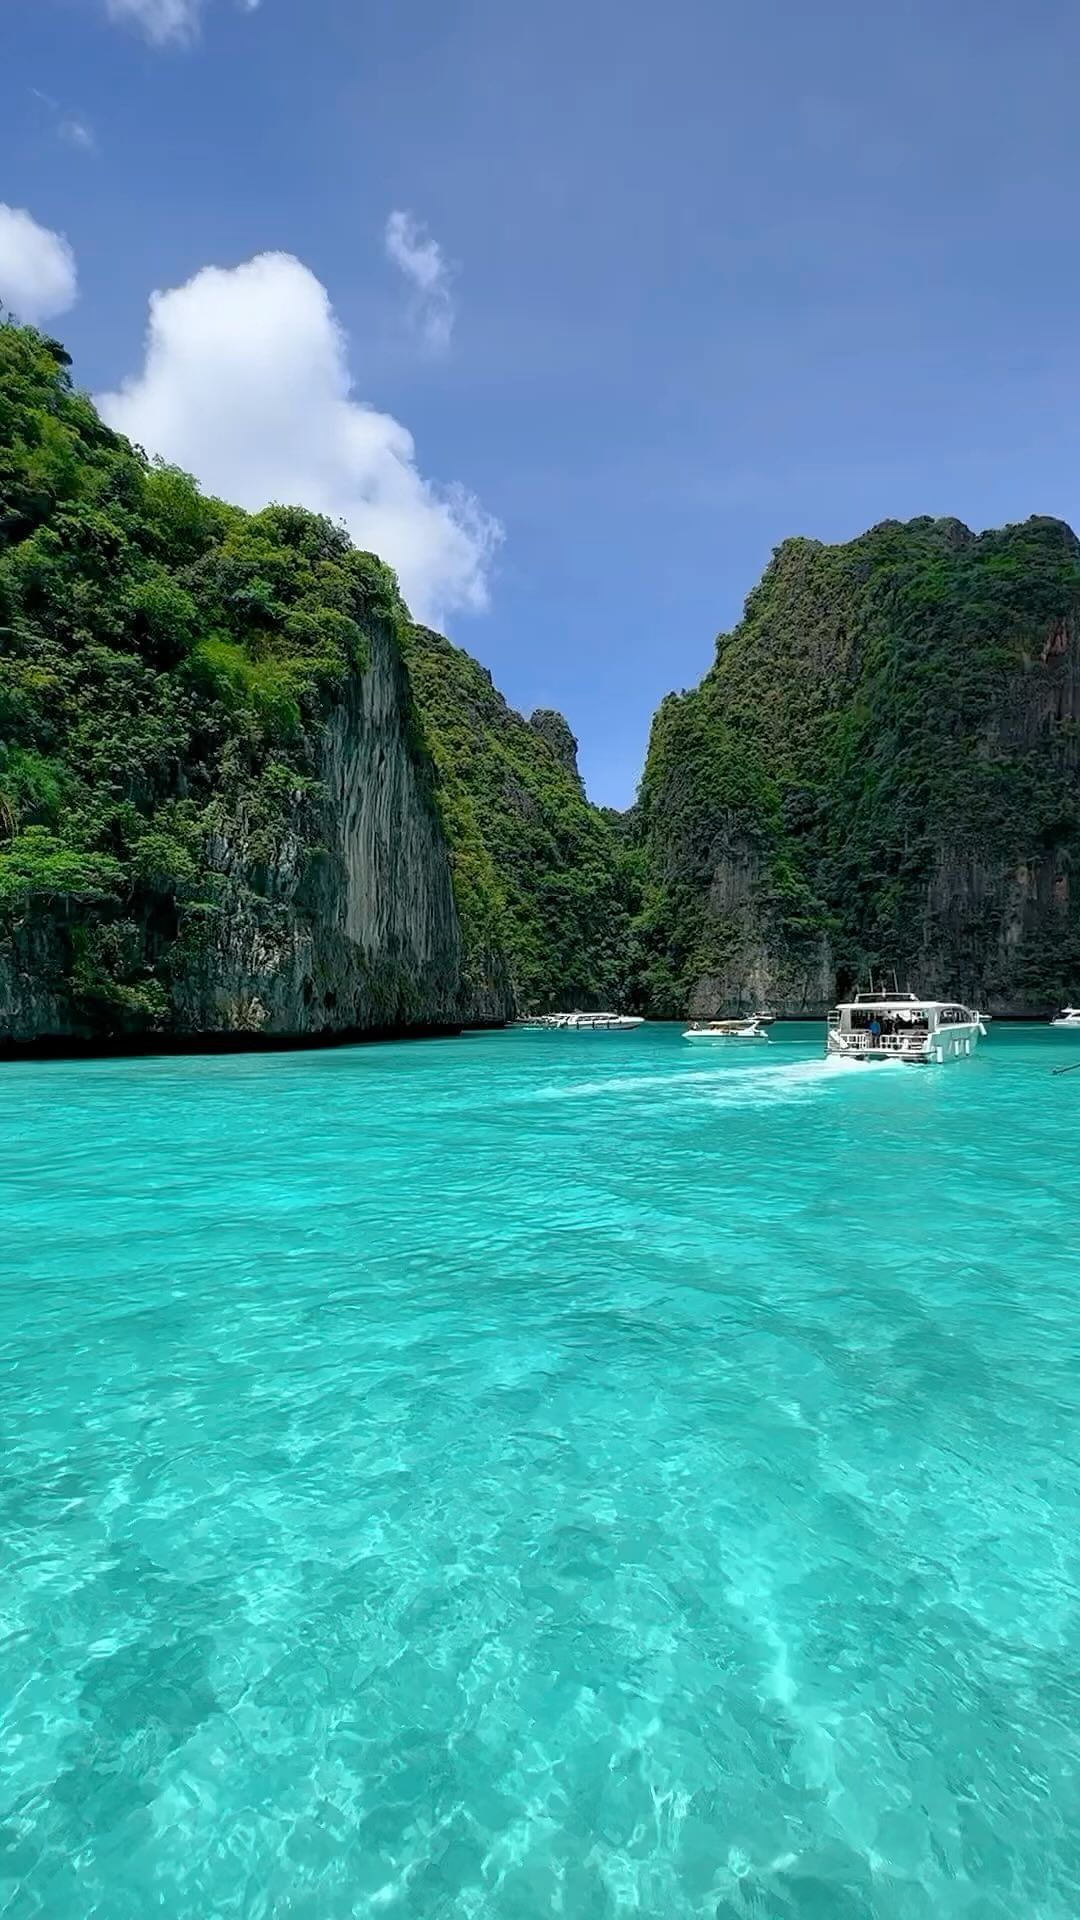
879 1026
706 1031
586 1022
1068 1017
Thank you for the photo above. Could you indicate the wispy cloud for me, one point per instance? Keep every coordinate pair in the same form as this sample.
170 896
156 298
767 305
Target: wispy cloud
69 127
420 258
77 133
158 20
166 22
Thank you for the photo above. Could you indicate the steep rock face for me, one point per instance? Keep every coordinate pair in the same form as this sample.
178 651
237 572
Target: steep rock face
544 883
340 919
363 934
880 770
217 818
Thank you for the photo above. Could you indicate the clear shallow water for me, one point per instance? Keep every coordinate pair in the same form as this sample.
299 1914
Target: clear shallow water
541 1474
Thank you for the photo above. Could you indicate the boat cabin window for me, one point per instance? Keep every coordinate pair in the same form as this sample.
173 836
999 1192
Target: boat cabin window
889 1020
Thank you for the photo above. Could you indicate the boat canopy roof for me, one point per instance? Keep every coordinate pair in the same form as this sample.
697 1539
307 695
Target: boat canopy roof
893 1003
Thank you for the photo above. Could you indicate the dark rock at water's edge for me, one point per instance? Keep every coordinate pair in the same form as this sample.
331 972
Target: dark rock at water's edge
133 1046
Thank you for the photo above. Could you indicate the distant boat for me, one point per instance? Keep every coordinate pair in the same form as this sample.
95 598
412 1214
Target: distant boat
704 1032
1068 1017
586 1022
879 1026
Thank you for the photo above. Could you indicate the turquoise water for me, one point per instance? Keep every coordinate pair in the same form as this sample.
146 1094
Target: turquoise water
541 1474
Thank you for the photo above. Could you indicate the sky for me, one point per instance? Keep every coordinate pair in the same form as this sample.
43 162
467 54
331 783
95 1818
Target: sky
573 311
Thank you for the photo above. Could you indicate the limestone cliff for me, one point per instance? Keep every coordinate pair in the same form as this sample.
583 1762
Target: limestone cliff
359 934
879 770
544 882
336 918
243 798
217 815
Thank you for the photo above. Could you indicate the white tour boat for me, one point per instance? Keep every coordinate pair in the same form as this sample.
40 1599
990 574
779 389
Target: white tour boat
1068 1017
708 1031
587 1022
879 1026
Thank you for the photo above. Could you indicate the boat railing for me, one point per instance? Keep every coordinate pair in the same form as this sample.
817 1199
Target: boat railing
913 1042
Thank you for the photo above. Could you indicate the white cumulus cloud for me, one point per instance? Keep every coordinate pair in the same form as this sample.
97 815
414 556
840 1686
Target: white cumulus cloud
246 384
37 267
421 260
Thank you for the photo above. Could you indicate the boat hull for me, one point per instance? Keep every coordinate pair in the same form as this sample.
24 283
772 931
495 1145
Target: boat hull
585 1022
721 1039
946 1044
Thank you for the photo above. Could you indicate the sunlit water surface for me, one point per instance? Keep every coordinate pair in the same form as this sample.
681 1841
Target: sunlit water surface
541 1474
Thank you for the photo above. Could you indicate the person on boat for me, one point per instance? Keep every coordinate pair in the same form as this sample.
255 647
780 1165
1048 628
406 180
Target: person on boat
875 1030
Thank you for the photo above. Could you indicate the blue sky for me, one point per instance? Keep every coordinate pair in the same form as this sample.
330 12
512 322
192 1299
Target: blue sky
717 274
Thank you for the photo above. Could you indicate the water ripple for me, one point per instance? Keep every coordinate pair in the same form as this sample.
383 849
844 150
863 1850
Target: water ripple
541 1475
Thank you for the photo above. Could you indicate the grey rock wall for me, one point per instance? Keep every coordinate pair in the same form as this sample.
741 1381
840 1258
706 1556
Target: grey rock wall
342 923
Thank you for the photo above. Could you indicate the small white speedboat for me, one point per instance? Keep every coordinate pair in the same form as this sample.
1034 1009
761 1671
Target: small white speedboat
708 1032
1068 1017
586 1022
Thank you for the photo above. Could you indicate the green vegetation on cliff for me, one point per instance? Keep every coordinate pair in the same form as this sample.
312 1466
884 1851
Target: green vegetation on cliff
540 876
164 662
167 663
880 767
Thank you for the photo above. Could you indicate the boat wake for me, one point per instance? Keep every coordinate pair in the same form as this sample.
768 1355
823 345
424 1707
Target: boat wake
762 1083
727 1085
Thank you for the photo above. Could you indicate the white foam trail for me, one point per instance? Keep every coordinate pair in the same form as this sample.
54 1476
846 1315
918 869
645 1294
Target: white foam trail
722 1085
794 1081
616 1083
